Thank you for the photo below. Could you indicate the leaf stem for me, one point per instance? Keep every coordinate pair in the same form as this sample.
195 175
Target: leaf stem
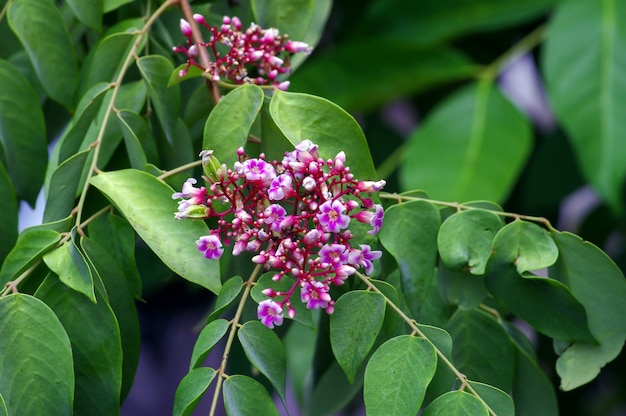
221 371
168 173
413 325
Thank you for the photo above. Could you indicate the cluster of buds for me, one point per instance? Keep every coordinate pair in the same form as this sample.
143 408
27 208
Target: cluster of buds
293 214
256 55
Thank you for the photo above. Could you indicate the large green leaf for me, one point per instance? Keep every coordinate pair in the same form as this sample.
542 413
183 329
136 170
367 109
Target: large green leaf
410 235
247 397
455 403
354 327
599 284
37 376
41 29
265 351
96 347
191 389
397 375
24 150
547 304
588 94
303 116
29 248
8 207
481 348
344 75
147 204
478 156
290 17
229 123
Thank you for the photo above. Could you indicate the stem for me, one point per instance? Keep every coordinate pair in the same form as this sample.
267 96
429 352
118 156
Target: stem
4 10
413 325
221 371
457 206
168 173
389 165
11 287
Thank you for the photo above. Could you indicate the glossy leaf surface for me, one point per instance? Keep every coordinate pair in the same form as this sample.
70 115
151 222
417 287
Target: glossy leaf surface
191 389
246 396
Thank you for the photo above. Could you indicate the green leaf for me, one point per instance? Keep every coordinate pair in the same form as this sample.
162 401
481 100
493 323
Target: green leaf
29 248
23 145
461 288
155 70
344 74
265 351
588 97
122 304
64 185
599 284
210 335
497 400
191 389
303 116
229 123
303 315
410 235
36 357
291 17
117 237
135 194
3 407
481 348
397 375
97 353
8 207
321 11
455 403
88 11
41 29
545 303
354 327
464 239
136 131
69 264
247 397
333 392
443 380
479 156
192 72
227 294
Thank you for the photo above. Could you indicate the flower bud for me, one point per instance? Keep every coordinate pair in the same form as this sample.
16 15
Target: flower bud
185 28
211 166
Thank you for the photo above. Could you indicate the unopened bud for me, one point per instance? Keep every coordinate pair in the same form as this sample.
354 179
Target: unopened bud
211 166
185 28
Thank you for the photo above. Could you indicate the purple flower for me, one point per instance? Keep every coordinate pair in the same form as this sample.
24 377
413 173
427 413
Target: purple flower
211 246
341 274
377 220
274 215
280 187
270 313
314 294
258 171
364 257
333 254
331 216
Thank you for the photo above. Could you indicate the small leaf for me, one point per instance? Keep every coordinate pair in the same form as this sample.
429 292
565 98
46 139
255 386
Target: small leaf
397 375
479 156
8 207
36 357
410 235
303 116
228 125
29 248
228 293
22 133
461 288
247 397
210 335
464 239
69 264
133 127
443 380
333 392
354 327
192 72
64 185
457 403
545 303
265 351
191 389
303 315
88 11
97 353
134 193
291 17
41 29
497 400
599 284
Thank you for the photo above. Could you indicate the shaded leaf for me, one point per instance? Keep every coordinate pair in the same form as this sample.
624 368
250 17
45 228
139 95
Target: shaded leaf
8 207
134 193
88 11
210 335
397 375
354 327
290 17
455 403
333 392
191 389
227 294
64 185
461 288
36 357
41 29
246 396
497 400
479 156
303 315
136 131
29 248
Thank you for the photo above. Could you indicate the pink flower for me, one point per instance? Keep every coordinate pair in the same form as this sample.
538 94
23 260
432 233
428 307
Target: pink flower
270 313
258 171
274 215
341 274
331 216
364 257
280 187
314 294
333 254
211 246
375 219
370 186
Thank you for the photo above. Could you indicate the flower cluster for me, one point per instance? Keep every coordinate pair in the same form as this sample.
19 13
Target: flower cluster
256 55
294 215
